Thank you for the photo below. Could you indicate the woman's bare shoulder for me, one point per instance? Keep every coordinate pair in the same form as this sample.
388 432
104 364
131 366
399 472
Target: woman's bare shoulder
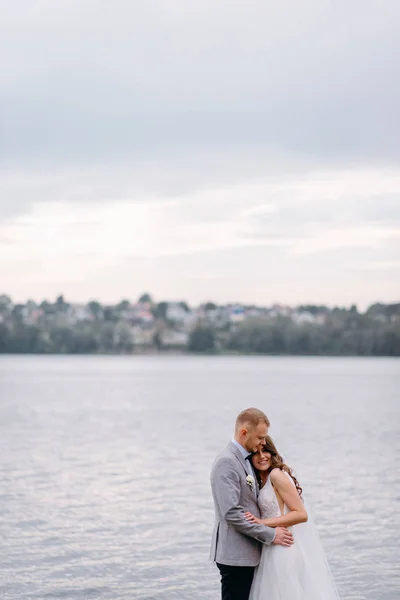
278 477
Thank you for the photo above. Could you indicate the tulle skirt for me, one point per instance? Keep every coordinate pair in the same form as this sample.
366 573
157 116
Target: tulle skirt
300 572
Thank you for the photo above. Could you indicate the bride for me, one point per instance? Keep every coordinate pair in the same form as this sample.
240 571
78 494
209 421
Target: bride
301 571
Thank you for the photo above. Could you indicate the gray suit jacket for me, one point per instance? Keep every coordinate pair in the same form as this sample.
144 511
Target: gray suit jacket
235 541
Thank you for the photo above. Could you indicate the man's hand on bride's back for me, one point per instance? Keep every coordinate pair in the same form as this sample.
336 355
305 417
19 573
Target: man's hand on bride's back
283 537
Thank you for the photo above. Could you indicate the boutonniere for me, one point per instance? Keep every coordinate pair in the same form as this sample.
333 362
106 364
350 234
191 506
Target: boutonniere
250 480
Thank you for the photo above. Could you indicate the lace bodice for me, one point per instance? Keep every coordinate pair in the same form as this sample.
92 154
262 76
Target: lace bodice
268 502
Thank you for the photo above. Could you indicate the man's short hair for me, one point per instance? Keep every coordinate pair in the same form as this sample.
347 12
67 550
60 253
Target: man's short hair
251 417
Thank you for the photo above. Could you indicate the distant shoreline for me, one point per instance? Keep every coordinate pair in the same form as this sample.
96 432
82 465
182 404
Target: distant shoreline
174 328
215 354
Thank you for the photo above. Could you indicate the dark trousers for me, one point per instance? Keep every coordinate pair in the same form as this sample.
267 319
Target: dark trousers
235 582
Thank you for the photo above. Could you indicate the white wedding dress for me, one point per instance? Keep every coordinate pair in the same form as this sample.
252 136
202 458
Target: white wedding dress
298 572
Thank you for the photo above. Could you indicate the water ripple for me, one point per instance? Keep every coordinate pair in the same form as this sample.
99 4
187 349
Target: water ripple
104 464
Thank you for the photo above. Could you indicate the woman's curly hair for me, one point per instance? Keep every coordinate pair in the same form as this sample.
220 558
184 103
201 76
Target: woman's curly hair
277 462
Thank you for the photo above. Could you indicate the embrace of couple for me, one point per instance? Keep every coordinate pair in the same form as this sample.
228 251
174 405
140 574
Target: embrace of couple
264 543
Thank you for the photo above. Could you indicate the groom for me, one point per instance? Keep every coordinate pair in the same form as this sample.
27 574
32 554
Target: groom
236 544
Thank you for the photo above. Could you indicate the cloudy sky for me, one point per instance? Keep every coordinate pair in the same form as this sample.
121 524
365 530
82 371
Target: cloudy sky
234 150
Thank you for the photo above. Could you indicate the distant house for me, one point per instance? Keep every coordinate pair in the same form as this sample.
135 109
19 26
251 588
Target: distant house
139 314
176 312
237 314
278 310
192 319
385 313
78 313
303 317
256 313
143 337
174 339
217 318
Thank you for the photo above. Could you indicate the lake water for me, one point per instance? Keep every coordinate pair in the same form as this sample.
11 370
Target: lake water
104 465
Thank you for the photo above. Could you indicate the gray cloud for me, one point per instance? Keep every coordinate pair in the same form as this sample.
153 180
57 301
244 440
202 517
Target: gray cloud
205 110
83 83
300 218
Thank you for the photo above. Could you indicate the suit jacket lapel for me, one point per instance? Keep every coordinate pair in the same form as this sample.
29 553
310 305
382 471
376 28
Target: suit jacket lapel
235 450
246 466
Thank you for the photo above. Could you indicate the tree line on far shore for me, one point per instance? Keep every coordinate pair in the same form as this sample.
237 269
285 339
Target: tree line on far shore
376 332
